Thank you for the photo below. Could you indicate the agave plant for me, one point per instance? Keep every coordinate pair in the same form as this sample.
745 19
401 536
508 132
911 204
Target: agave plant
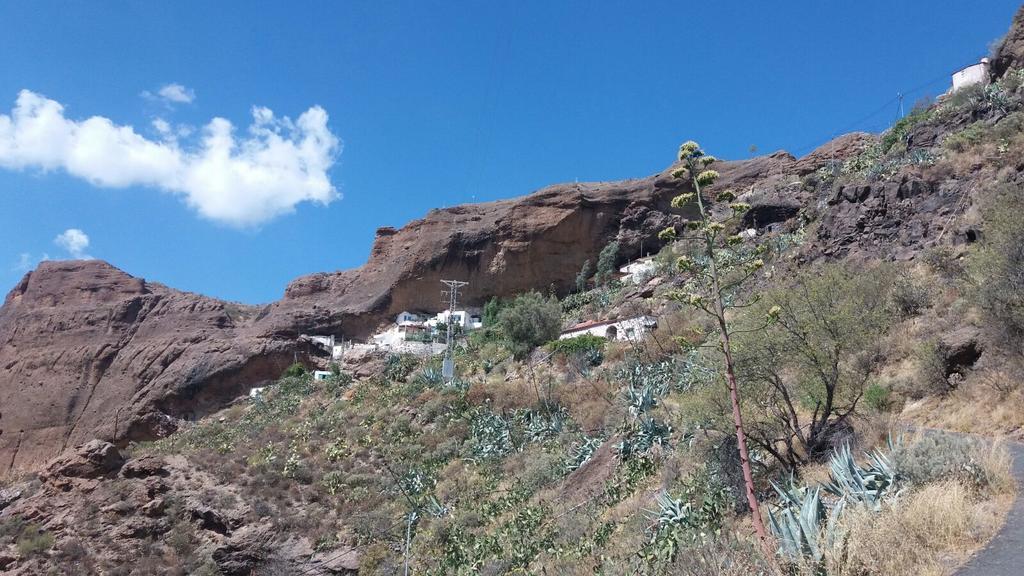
641 399
868 486
802 523
430 377
540 425
645 435
581 452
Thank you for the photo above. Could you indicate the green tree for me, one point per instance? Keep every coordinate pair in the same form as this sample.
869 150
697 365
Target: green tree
606 262
583 276
808 369
491 310
530 320
720 265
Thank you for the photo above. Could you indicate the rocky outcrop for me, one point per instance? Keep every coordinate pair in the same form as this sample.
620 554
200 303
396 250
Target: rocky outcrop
893 219
87 351
501 248
1010 52
151 511
94 459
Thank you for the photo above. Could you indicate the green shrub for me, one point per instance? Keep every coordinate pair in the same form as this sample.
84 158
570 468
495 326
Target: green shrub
966 138
529 321
931 368
33 540
878 397
939 456
902 127
583 276
606 262
911 296
491 311
582 344
294 371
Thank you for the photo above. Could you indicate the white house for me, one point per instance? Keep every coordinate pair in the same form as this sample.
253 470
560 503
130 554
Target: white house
639 271
624 329
319 375
467 319
971 75
325 343
408 317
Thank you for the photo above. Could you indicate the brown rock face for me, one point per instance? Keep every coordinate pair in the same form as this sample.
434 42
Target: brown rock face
87 351
1010 53
501 248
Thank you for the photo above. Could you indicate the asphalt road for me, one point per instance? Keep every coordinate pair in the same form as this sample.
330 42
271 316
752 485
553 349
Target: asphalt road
1004 555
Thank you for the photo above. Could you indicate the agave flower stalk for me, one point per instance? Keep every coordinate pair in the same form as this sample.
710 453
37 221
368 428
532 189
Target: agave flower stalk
710 293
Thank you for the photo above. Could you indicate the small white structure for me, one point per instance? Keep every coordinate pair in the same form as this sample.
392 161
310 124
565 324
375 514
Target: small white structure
320 375
256 392
467 319
639 271
971 75
625 329
407 317
325 343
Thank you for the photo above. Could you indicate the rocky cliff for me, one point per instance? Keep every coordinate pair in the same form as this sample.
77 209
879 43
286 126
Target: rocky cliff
88 351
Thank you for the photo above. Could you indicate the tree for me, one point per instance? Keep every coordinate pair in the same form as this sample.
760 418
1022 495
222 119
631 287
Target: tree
530 320
606 262
491 310
720 265
583 276
809 368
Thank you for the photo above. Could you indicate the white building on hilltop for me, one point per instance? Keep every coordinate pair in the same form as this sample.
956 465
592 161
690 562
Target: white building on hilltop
971 75
624 329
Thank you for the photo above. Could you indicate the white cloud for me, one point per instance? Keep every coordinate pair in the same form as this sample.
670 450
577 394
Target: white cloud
27 262
75 242
177 93
24 262
239 180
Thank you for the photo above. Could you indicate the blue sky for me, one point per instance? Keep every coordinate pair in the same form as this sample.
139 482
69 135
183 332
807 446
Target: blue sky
407 106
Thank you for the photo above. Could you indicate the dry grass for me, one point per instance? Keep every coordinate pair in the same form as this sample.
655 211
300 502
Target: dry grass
972 408
927 533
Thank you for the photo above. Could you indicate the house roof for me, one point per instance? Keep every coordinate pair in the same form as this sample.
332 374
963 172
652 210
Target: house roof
588 324
593 323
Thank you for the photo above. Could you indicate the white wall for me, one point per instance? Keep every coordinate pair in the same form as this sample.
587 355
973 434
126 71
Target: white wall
976 74
628 329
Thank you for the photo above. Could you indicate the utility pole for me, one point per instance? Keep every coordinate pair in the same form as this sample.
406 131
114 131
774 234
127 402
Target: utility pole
899 95
448 366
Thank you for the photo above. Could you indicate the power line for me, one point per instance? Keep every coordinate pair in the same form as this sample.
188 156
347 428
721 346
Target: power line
860 122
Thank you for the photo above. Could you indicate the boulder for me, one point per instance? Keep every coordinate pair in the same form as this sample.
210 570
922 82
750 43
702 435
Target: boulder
8 496
94 459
